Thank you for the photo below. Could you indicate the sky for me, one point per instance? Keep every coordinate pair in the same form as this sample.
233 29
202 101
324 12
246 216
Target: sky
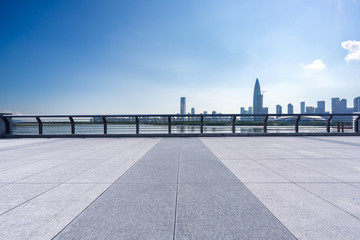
140 56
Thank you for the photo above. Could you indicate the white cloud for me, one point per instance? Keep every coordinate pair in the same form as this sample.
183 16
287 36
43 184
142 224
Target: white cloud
354 50
315 65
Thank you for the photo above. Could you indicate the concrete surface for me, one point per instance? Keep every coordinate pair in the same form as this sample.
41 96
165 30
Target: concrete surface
184 193
47 183
180 188
311 184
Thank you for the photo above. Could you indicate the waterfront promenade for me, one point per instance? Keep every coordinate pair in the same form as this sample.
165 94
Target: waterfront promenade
180 188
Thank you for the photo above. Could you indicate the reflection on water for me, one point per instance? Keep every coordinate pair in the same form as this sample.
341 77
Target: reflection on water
159 129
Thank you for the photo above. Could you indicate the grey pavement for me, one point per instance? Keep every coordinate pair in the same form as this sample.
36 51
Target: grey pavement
311 184
184 193
46 184
180 188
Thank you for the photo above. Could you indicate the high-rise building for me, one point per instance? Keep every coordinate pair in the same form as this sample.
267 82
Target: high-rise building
357 104
310 110
182 105
290 109
244 111
278 109
192 111
320 107
302 107
257 101
338 106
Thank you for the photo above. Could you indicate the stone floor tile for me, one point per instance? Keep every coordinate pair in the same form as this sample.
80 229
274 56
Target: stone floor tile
304 214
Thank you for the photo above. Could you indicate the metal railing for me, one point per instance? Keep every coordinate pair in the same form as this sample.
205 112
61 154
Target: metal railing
170 121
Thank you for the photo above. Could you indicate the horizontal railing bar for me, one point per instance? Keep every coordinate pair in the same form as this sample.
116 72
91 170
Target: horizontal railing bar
182 115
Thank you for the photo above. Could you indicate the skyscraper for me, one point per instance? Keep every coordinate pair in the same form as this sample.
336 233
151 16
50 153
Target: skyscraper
338 106
278 109
258 100
192 111
320 107
310 110
244 111
182 105
290 109
357 104
302 106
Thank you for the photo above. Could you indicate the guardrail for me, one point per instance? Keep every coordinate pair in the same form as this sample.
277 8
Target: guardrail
172 120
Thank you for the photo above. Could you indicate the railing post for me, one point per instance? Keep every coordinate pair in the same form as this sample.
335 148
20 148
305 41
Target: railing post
202 124
2 126
105 124
328 124
7 125
169 124
356 122
40 125
297 124
137 124
72 125
233 124
265 124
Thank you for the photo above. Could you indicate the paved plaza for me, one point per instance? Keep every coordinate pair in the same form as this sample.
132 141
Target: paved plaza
180 188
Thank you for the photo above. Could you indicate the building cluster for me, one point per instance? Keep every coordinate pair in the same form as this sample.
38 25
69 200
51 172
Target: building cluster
338 106
192 112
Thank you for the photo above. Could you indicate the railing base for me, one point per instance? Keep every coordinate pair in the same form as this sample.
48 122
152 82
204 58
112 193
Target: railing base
179 135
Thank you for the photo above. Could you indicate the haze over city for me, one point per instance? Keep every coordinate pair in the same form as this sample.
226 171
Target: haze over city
123 57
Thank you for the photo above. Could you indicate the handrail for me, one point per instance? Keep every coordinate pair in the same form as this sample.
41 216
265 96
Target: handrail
232 118
181 115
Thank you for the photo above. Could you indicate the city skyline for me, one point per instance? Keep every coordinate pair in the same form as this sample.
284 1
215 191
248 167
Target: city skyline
337 105
119 57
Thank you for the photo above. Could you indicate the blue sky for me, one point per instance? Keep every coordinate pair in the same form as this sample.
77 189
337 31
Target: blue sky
119 57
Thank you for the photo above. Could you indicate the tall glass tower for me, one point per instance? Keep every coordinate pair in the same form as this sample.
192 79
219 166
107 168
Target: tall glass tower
357 104
290 109
302 107
182 105
258 99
